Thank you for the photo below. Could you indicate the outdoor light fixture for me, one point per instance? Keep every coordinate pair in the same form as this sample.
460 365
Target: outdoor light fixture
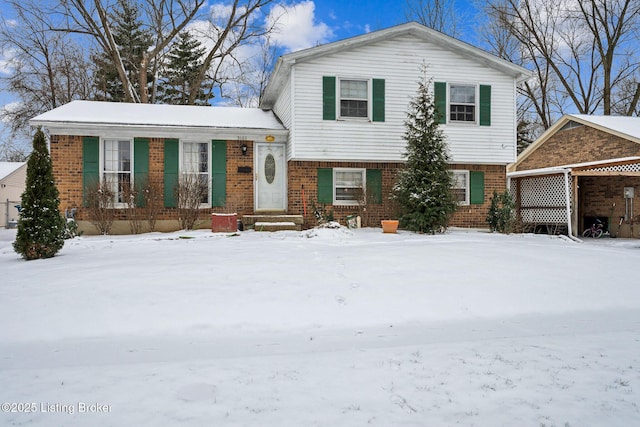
269 138
244 149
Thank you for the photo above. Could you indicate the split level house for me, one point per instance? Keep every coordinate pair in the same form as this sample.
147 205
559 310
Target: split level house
328 133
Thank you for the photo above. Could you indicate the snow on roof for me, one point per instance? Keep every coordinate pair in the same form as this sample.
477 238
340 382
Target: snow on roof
622 124
119 113
7 168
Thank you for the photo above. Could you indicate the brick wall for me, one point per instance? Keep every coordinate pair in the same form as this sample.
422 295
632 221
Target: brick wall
66 156
495 178
304 175
578 145
598 196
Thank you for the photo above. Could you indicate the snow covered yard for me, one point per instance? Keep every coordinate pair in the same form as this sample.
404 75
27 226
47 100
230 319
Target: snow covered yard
324 327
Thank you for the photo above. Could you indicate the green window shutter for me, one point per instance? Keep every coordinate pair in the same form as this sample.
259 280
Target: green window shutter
90 165
325 185
171 156
218 173
378 100
374 185
440 100
140 166
328 98
485 105
476 184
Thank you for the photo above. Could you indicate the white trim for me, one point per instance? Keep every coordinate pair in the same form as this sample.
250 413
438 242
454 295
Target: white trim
284 173
554 170
101 164
181 143
467 188
188 132
369 99
476 104
337 202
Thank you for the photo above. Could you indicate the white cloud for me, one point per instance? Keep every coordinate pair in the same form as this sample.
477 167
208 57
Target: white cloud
296 27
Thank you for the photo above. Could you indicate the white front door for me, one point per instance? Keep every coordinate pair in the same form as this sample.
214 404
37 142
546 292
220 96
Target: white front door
271 177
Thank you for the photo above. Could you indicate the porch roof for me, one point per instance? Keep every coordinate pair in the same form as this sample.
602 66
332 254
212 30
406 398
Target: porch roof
554 170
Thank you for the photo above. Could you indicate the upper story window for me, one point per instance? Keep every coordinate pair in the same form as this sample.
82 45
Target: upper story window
462 105
195 170
354 98
116 168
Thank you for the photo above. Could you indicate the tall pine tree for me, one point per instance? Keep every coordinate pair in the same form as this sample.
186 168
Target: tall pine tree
132 41
181 70
40 225
424 188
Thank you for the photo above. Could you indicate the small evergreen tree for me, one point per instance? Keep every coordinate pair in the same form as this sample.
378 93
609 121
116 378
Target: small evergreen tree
181 70
424 188
41 228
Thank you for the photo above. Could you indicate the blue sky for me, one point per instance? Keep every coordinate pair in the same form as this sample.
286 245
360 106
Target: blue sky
307 23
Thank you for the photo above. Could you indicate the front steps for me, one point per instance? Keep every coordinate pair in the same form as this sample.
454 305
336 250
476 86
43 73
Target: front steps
273 222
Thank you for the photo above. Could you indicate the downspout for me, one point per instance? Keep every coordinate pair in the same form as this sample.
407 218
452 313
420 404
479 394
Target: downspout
568 204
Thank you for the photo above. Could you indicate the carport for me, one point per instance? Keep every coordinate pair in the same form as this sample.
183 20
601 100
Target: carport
567 199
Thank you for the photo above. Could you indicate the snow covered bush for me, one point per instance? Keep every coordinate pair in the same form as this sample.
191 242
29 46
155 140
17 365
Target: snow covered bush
423 189
500 216
41 227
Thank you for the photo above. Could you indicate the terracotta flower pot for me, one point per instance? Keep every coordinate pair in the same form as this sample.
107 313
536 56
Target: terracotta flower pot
389 225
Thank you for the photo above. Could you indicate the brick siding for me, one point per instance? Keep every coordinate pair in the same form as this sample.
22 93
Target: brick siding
579 145
598 196
66 156
303 175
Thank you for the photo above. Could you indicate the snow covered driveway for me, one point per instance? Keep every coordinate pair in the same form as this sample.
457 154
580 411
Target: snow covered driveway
324 327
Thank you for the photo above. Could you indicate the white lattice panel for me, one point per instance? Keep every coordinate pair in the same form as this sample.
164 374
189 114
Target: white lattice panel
542 199
633 167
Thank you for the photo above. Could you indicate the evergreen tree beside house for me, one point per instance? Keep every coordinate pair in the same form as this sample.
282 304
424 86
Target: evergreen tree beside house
40 226
424 188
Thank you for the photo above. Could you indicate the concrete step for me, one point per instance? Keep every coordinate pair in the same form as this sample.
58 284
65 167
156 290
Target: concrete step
250 221
275 226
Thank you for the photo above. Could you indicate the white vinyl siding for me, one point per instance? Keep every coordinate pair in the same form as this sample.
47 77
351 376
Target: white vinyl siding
398 62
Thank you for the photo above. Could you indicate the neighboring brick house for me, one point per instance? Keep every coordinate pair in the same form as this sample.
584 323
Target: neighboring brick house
334 119
583 167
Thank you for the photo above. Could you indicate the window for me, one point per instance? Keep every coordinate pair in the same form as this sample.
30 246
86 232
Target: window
116 167
461 186
354 98
349 186
194 168
462 105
